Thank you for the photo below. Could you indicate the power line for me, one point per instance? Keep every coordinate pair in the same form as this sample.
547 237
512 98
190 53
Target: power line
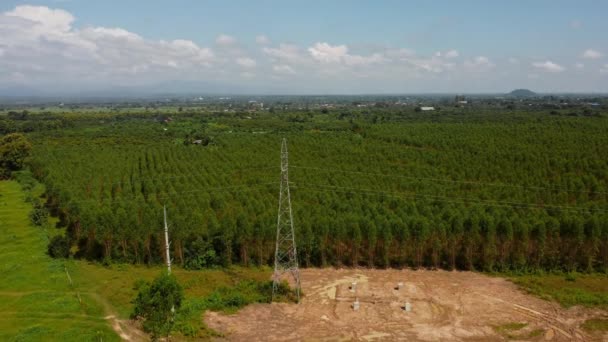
158 178
441 198
189 193
452 181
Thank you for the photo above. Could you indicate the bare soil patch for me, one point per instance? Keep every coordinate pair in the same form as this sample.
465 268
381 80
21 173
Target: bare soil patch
455 306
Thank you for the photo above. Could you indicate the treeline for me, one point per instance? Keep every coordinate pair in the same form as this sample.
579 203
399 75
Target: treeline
506 193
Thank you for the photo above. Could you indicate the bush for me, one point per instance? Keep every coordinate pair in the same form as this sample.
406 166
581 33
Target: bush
229 300
156 304
59 247
14 149
39 214
199 254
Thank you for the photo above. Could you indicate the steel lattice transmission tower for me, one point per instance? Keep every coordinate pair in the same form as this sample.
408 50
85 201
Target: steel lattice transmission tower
286 256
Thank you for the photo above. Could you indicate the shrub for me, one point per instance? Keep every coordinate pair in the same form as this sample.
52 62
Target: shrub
59 247
156 304
39 214
200 254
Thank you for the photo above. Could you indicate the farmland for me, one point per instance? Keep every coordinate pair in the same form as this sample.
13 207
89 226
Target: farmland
514 193
493 192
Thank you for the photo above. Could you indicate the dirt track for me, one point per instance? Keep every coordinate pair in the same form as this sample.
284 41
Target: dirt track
445 306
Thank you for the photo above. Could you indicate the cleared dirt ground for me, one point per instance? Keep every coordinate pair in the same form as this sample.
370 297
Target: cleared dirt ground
445 306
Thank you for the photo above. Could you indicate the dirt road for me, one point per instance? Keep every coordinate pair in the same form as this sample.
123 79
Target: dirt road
454 306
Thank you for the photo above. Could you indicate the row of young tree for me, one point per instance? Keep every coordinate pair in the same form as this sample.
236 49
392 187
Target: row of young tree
492 195
453 237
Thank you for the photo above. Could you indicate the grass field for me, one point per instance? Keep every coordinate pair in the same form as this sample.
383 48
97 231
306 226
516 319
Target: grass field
589 290
37 301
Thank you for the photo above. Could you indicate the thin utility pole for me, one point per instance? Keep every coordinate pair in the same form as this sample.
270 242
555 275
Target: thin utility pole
167 247
167 241
286 256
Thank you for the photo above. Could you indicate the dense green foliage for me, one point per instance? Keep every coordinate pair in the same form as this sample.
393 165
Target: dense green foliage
59 247
228 299
376 187
14 149
156 304
39 214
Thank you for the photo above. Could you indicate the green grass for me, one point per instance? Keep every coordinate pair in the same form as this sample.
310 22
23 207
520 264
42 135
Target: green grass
596 324
588 290
37 302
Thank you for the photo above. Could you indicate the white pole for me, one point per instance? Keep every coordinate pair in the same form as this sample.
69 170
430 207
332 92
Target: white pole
167 246
167 241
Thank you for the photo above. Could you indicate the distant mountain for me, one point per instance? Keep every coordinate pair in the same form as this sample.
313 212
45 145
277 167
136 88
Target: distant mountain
522 93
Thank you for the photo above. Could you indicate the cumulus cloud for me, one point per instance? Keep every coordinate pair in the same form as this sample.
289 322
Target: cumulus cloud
42 45
44 18
338 54
548 66
285 53
592 54
452 54
479 64
246 62
262 40
326 53
225 40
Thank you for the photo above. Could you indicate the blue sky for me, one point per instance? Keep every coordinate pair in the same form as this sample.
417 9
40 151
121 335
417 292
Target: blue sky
307 46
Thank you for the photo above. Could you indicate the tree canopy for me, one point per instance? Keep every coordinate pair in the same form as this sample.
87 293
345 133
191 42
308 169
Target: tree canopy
14 149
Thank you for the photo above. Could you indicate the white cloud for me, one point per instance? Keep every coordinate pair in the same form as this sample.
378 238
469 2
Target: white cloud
262 40
41 44
42 47
354 60
44 17
452 54
225 40
102 32
592 54
548 66
399 54
246 62
283 69
479 64
326 53
433 64
285 53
